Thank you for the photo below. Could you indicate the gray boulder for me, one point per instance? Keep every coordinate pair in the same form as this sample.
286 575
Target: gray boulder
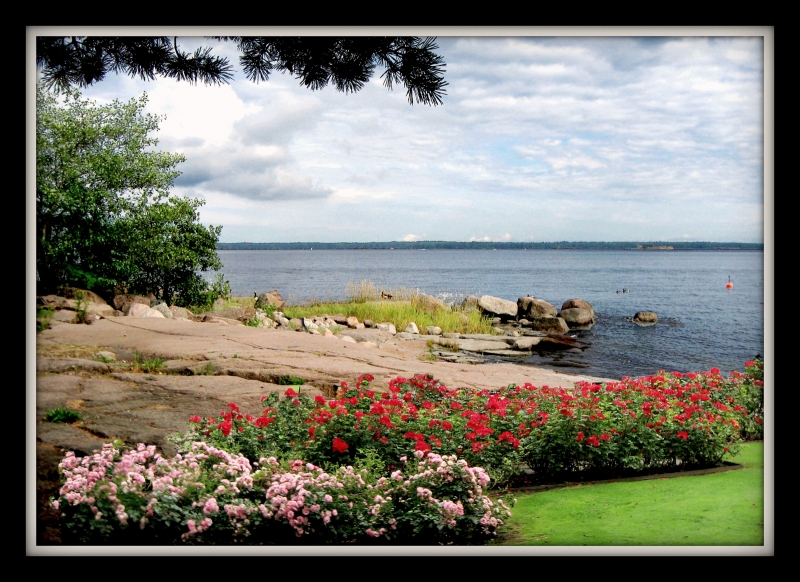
162 308
497 307
526 343
137 309
150 312
182 312
428 302
577 304
649 317
548 324
577 312
531 308
574 316
272 298
412 328
470 302
387 327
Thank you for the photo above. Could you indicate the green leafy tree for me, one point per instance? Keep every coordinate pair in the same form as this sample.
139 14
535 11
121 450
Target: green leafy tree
104 215
346 63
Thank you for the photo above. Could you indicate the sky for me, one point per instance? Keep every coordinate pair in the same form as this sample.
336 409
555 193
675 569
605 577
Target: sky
539 138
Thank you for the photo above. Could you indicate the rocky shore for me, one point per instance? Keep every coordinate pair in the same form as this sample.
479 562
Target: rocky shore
139 379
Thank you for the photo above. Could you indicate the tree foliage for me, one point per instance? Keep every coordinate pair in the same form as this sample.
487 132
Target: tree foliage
347 63
104 215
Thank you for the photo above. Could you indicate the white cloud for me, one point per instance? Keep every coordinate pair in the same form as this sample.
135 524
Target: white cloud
622 135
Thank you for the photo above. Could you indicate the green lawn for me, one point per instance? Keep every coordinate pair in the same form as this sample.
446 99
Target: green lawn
721 509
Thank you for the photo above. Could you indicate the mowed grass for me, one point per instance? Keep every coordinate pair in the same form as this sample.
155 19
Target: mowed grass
720 509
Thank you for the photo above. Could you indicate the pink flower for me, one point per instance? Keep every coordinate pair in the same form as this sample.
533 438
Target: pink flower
210 506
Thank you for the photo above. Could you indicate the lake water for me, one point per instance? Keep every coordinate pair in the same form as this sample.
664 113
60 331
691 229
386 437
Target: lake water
701 324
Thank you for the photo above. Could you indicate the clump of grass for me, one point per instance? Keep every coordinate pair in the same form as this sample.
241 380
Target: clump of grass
142 363
254 322
44 315
208 369
61 414
287 380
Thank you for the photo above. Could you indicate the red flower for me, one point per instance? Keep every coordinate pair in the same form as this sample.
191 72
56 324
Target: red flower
290 393
311 431
580 437
319 398
196 419
592 440
446 425
263 421
225 427
339 446
422 446
683 435
233 407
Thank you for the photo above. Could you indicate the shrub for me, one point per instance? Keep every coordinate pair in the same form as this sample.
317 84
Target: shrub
81 306
651 423
44 315
207 495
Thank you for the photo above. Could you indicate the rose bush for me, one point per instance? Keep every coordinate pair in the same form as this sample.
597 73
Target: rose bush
207 495
653 422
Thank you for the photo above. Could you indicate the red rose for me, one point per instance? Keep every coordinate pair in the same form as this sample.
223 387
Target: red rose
339 446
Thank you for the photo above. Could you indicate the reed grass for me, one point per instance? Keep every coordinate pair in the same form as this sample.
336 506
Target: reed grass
364 291
364 302
400 314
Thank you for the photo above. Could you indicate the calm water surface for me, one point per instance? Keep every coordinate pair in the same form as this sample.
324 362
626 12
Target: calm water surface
701 323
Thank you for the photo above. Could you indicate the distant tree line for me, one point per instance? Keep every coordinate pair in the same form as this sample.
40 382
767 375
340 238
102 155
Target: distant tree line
438 244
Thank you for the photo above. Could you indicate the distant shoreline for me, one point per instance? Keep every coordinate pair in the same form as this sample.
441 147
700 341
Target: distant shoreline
483 245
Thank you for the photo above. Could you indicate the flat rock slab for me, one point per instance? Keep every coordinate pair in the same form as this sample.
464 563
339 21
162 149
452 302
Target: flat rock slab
473 345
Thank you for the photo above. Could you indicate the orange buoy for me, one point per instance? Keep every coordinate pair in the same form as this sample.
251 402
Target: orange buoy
729 285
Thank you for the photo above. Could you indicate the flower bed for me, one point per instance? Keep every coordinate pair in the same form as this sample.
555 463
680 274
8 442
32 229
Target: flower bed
655 422
338 470
208 495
